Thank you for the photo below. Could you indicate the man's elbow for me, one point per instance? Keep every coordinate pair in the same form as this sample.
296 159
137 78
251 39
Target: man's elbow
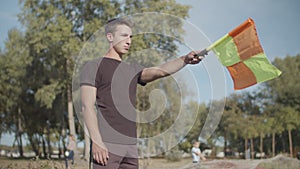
84 109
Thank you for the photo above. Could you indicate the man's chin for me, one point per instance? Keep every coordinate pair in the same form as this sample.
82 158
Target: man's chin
125 51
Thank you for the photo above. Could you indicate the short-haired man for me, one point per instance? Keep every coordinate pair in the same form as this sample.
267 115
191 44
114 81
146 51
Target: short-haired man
111 84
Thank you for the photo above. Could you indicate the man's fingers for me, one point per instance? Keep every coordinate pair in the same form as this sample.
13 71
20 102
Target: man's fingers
200 57
201 52
101 157
97 158
100 154
104 157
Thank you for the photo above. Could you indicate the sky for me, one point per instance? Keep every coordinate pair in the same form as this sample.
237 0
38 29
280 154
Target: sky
277 23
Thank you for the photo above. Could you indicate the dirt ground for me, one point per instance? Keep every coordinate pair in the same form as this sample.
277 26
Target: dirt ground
278 162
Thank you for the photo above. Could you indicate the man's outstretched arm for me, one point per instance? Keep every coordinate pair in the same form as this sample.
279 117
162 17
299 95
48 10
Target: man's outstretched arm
166 69
88 98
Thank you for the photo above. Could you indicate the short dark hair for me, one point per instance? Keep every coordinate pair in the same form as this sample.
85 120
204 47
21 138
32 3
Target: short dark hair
195 141
112 24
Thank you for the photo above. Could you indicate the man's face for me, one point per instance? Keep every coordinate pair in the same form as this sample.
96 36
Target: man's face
122 39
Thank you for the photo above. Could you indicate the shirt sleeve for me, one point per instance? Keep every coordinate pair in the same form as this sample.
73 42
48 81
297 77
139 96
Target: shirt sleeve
139 69
88 73
193 150
196 150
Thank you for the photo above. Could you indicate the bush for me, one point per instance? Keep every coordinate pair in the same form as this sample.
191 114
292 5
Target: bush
174 155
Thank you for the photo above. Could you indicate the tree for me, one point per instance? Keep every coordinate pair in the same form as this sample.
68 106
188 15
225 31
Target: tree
56 30
13 63
229 124
284 91
286 88
290 118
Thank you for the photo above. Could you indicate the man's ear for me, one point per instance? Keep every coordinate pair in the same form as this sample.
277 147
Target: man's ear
110 37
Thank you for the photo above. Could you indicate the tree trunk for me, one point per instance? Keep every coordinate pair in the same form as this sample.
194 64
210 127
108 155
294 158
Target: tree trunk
44 147
273 144
246 145
70 113
225 143
261 145
70 103
48 141
291 143
283 141
246 148
252 149
20 131
20 144
34 146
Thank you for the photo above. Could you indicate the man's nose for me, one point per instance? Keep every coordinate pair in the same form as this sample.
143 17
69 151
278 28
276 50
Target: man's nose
128 40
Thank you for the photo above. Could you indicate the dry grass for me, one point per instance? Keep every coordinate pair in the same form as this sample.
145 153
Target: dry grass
278 162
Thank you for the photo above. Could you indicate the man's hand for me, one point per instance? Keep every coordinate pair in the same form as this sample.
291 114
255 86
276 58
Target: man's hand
100 153
192 57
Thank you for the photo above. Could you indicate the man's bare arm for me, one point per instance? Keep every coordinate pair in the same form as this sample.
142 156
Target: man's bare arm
88 99
166 69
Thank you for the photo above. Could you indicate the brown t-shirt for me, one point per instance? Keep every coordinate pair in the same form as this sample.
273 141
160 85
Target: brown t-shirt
116 84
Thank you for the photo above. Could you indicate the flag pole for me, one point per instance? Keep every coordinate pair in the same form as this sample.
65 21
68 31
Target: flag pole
217 42
210 47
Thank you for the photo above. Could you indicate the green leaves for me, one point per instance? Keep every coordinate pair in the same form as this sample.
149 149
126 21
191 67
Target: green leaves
47 94
286 89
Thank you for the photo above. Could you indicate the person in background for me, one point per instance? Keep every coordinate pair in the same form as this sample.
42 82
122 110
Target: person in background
196 153
70 150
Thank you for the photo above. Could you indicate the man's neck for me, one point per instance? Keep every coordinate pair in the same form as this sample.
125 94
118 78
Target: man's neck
113 55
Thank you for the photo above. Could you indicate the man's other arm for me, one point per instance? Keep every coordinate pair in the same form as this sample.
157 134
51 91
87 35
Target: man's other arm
88 99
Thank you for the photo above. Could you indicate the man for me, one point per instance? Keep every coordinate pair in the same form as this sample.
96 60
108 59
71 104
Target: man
111 84
196 153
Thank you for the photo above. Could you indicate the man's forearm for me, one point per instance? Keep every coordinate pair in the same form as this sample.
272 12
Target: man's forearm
177 64
172 66
166 69
88 98
91 122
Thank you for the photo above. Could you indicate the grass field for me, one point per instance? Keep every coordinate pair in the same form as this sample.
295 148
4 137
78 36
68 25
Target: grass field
278 162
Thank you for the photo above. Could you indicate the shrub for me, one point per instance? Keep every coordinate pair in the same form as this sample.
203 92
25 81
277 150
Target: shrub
174 155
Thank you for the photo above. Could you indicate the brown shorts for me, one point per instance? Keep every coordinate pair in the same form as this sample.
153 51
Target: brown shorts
120 157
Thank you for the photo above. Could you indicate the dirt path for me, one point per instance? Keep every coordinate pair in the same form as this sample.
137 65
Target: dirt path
210 164
231 164
276 163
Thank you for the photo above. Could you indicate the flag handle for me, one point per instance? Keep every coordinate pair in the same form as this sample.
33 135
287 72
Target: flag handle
209 48
202 53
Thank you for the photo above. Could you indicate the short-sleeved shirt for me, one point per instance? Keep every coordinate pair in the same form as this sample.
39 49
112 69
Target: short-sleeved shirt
195 151
116 84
